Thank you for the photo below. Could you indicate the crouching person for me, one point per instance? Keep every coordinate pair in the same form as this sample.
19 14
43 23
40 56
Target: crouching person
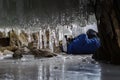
84 44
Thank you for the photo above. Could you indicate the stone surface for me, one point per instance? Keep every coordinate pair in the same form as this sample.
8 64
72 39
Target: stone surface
10 48
32 45
108 20
35 36
23 37
42 53
20 52
38 53
7 52
14 39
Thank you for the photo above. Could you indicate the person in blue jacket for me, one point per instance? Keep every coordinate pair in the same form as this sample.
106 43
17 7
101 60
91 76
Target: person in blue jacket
84 44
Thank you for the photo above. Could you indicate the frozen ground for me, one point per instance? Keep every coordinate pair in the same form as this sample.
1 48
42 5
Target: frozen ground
62 67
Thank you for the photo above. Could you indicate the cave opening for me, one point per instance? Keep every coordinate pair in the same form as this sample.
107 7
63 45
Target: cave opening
32 31
43 18
44 23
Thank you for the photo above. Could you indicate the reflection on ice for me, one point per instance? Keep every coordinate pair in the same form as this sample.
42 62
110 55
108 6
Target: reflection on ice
60 68
68 70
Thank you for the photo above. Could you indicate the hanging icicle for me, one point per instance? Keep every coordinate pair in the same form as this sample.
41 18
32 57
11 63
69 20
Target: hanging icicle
45 39
29 36
50 40
40 39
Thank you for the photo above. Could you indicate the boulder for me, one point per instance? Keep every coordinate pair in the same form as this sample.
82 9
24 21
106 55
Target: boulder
57 49
42 53
20 52
7 52
10 48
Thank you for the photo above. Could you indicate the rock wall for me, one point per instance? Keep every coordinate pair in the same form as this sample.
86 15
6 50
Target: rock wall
21 42
108 20
24 38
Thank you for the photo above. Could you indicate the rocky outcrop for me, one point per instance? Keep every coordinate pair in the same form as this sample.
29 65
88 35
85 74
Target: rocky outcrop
10 48
32 45
7 52
108 20
23 38
42 53
20 52
38 53
14 39
21 42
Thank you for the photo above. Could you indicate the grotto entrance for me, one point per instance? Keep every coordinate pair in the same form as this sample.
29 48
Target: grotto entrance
44 16
41 24
30 23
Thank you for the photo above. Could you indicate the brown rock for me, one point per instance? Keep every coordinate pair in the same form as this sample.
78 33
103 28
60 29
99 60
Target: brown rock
35 36
32 45
57 49
20 52
23 38
42 53
7 52
10 48
14 39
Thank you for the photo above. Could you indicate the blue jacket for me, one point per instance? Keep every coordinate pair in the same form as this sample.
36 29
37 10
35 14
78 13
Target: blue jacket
82 44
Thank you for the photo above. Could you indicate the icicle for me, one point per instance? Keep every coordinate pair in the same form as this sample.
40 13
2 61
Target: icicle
18 31
60 32
29 36
55 38
74 30
38 43
40 39
6 30
50 40
45 39
64 42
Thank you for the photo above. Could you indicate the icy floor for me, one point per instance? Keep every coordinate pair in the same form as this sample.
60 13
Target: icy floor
62 67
